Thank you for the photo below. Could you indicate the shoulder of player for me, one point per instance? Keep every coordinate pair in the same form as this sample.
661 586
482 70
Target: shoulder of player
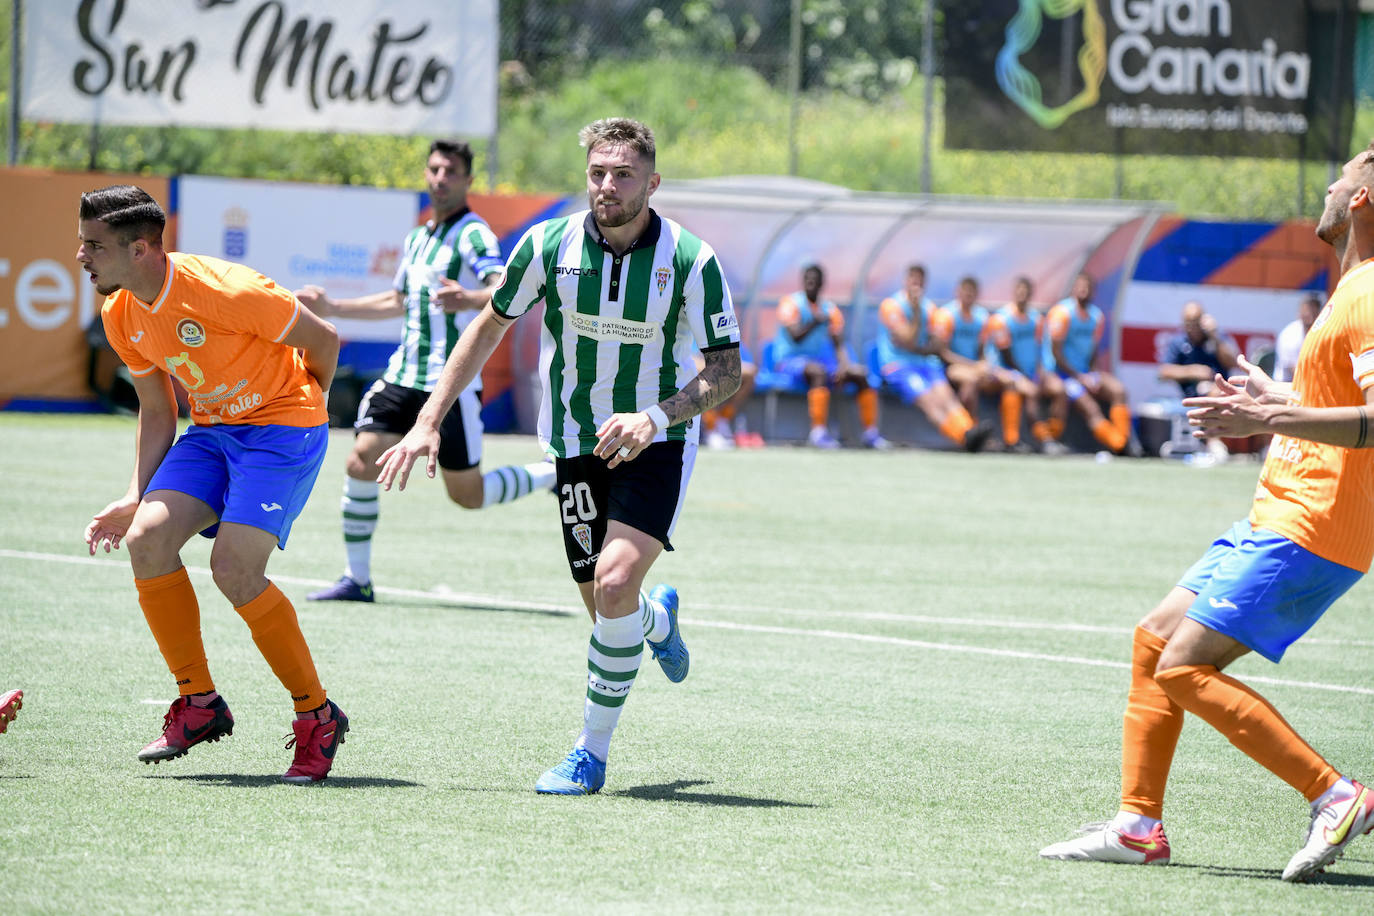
221 279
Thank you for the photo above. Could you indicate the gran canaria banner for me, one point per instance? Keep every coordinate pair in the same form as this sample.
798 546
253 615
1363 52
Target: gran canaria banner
1268 78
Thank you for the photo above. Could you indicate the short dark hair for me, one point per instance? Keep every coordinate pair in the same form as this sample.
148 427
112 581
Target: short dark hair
620 132
813 266
917 269
127 209
454 149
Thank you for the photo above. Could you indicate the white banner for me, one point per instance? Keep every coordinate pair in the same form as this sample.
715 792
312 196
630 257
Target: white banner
347 240
323 65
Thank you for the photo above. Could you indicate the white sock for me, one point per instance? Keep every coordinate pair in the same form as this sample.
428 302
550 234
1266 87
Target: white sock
653 617
360 509
613 655
509 483
1342 790
1132 824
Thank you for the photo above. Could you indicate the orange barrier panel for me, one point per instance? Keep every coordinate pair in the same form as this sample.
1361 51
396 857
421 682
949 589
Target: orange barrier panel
46 300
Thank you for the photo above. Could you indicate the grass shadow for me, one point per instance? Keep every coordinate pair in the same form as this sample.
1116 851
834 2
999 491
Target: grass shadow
480 606
1342 879
246 781
673 791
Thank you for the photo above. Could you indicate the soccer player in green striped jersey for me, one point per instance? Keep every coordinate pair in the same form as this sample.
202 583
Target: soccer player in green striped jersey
626 293
444 260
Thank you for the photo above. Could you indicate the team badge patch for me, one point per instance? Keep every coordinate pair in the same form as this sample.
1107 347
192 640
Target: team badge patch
661 277
190 332
582 532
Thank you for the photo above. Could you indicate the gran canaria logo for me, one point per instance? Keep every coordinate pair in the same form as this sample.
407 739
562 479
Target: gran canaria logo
1022 86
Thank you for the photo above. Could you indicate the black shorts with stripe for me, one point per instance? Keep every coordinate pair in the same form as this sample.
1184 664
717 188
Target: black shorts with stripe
645 494
392 409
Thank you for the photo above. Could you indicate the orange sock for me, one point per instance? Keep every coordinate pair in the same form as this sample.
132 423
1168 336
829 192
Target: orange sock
727 411
1149 731
709 419
956 425
271 618
1011 417
1041 431
1107 433
1121 419
818 405
173 614
1056 427
868 408
1251 724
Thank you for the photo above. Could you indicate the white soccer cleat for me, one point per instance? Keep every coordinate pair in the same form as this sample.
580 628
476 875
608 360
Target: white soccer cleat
1104 843
1333 826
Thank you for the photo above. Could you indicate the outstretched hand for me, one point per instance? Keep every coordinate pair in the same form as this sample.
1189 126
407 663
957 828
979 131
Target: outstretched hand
109 526
396 461
1236 407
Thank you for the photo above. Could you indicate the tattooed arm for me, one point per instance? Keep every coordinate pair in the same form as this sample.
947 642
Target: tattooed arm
712 386
625 435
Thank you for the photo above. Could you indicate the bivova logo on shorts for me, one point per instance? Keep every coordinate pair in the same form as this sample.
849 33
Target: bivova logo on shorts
1022 86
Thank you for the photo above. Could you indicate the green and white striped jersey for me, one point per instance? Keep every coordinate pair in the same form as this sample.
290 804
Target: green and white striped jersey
618 329
461 248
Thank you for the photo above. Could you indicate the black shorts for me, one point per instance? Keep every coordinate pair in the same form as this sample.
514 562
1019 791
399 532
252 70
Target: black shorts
388 408
645 494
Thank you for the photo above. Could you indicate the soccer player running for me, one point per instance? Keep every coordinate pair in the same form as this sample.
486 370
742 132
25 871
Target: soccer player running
256 366
626 294
1262 584
452 254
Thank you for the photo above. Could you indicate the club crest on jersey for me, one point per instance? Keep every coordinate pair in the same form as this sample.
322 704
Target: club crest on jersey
582 533
661 277
190 332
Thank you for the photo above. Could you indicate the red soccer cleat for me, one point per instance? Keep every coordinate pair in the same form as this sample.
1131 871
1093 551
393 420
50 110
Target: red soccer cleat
9 706
186 725
315 741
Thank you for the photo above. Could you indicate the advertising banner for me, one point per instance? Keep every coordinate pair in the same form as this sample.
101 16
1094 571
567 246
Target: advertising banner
344 239
1269 78
46 300
347 65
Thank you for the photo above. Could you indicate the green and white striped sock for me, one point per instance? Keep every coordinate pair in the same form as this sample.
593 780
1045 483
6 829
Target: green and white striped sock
613 655
360 507
509 483
653 618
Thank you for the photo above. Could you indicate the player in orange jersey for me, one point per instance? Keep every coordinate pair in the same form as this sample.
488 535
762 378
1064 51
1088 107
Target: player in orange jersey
1266 581
256 365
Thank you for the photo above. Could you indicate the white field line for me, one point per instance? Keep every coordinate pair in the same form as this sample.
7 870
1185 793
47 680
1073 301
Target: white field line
444 595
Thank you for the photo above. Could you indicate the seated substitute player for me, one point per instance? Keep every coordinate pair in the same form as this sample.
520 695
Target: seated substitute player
725 426
1266 581
1014 337
909 363
256 365
809 347
452 253
961 326
1194 356
10 703
1074 329
618 399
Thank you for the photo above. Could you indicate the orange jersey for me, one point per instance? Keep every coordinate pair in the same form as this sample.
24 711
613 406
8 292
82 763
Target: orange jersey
1320 496
217 328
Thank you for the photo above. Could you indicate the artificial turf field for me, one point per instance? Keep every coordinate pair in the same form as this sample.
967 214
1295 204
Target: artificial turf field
908 673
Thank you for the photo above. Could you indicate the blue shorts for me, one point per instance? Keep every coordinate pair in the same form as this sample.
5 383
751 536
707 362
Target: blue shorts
1262 590
250 475
910 382
1073 387
793 368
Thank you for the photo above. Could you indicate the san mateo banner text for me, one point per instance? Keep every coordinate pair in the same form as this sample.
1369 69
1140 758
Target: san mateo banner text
347 65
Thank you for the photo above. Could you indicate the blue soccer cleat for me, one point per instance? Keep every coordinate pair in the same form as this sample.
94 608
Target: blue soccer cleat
671 653
580 773
344 590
